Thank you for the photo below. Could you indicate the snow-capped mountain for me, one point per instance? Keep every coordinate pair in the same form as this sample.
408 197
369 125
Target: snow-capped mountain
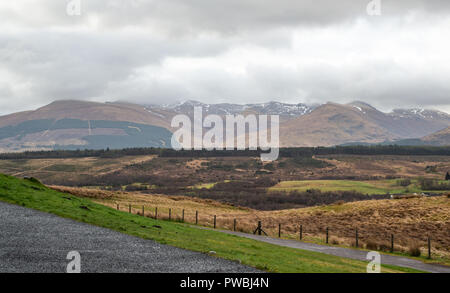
81 124
270 108
419 113
277 108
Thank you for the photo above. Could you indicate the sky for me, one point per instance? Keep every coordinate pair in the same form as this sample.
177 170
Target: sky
234 51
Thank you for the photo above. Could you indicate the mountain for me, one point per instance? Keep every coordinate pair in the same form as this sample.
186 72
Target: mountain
440 138
82 110
413 123
286 111
334 124
77 124
405 123
80 125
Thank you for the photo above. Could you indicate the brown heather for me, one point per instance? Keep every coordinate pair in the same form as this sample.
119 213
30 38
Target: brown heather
410 220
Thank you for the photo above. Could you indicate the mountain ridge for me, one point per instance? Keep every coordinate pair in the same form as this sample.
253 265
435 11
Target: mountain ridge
300 124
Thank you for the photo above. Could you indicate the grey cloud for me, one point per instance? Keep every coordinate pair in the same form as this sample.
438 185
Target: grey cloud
47 55
81 65
317 84
194 16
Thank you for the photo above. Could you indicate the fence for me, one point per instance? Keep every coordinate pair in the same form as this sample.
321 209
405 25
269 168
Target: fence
153 213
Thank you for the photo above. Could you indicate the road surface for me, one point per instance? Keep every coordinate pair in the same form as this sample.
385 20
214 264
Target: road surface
347 253
33 241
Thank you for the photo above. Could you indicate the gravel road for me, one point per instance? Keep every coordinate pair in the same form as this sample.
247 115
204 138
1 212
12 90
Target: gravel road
33 241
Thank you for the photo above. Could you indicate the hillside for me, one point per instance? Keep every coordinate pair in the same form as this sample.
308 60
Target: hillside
80 125
413 123
409 219
439 138
72 134
332 124
82 110
285 111
74 124
264 256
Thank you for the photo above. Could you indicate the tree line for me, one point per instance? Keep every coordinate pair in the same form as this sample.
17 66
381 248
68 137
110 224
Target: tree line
284 152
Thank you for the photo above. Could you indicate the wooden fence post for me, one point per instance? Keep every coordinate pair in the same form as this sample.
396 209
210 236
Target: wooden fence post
392 242
118 207
260 230
182 216
129 208
234 225
196 217
214 221
356 238
143 212
301 232
279 230
327 237
156 213
429 247
170 214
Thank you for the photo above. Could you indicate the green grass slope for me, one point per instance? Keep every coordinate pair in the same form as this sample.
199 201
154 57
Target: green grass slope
32 194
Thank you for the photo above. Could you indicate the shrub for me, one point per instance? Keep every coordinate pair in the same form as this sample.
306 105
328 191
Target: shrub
430 169
384 246
403 182
414 249
34 180
432 184
334 241
372 245
308 162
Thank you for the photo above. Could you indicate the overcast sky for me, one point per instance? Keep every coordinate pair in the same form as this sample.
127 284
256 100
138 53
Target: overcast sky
237 51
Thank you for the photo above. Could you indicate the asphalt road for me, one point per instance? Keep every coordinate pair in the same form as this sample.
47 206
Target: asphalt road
33 241
347 253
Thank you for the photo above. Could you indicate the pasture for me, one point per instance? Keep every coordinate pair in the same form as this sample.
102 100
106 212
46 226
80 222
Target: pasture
370 187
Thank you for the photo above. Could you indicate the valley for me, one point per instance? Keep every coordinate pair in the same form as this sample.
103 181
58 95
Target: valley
380 195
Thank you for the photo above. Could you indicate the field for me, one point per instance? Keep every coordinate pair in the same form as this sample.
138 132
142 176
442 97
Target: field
341 192
75 168
367 187
32 194
193 171
410 220
243 181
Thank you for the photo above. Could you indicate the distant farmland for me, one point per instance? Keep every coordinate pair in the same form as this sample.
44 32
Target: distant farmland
368 187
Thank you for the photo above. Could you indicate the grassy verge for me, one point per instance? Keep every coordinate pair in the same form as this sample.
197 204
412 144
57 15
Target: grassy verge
250 252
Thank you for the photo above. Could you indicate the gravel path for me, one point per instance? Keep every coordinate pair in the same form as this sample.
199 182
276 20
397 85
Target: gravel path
33 241
347 252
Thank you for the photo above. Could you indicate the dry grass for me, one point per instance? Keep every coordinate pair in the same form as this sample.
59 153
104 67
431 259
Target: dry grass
358 167
382 165
206 208
72 167
410 220
196 164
